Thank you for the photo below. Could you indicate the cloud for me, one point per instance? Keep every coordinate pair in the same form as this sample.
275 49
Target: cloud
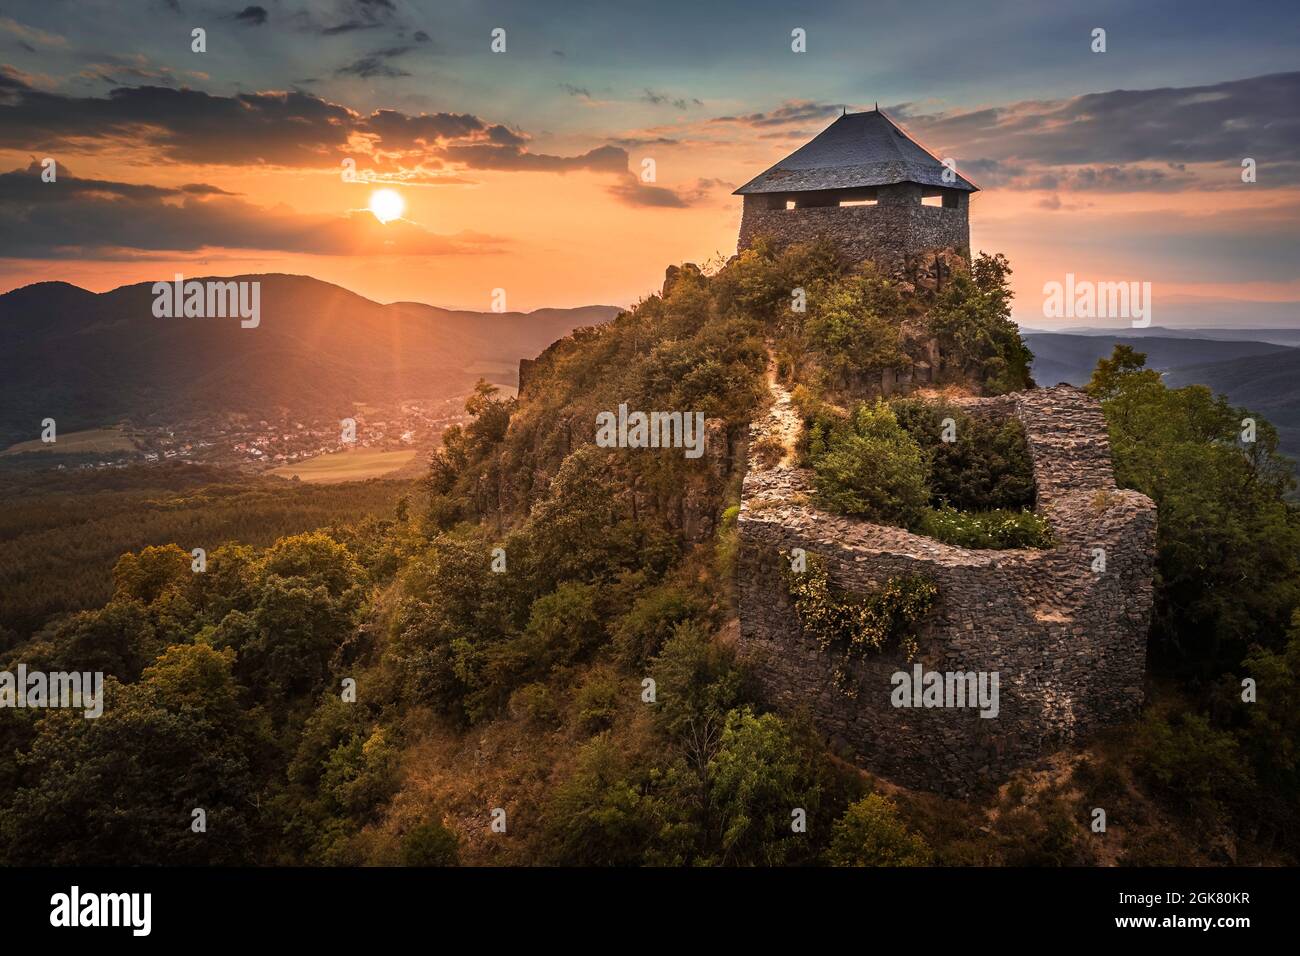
376 64
74 218
350 17
636 142
632 192
484 156
660 99
118 70
292 129
252 16
790 112
1126 140
31 37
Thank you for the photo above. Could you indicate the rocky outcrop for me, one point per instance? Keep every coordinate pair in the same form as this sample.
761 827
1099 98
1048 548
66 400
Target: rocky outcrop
1065 629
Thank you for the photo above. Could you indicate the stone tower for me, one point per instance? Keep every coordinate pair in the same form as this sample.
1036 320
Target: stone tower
865 184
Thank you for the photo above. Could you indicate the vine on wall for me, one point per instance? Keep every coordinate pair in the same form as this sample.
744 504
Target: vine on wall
852 626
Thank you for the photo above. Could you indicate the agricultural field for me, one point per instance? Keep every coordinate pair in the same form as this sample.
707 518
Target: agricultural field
90 441
347 466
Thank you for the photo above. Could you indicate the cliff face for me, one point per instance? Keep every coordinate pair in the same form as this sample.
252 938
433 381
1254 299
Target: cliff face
1064 629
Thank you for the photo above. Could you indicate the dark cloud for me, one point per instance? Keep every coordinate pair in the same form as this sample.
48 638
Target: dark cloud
80 218
399 130
661 99
633 192
636 142
252 16
607 159
294 128
792 112
352 16
579 91
1123 140
376 64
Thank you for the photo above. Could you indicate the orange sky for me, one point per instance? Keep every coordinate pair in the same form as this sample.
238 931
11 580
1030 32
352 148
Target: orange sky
536 159
563 240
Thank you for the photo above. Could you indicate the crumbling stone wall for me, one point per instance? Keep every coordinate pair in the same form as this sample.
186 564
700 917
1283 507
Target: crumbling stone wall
897 227
1068 642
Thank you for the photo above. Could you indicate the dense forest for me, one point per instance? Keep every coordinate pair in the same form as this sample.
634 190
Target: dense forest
61 531
466 677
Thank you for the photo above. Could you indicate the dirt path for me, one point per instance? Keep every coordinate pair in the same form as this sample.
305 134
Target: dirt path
782 421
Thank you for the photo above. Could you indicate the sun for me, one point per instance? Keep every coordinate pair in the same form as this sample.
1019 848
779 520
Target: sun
387 204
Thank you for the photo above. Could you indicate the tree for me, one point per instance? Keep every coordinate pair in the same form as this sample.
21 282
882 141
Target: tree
430 844
871 834
853 325
758 781
1228 542
971 317
121 788
872 468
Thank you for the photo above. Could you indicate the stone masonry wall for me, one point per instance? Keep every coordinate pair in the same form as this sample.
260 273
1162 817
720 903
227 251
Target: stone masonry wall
1068 643
886 233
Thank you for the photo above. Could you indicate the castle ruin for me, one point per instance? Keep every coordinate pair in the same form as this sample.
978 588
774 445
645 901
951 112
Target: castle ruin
1064 628
867 186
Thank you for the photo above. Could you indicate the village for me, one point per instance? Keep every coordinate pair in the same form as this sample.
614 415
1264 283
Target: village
261 445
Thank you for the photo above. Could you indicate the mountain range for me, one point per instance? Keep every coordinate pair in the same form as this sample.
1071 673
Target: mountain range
1262 375
91 359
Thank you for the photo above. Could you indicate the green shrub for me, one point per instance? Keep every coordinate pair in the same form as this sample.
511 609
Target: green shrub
871 834
535 702
870 467
596 704
758 777
1191 762
971 318
986 464
697 681
853 326
641 632
601 815
986 529
430 844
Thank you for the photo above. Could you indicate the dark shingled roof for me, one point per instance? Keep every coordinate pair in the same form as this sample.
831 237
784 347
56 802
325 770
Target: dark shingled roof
858 149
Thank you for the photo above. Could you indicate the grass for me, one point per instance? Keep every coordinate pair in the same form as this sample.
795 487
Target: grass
92 440
347 466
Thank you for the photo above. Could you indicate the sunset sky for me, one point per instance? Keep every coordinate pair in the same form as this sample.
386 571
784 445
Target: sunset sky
520 170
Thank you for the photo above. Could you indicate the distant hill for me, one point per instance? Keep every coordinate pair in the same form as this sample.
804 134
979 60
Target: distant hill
1061 357
1267 384
88 359
1277 336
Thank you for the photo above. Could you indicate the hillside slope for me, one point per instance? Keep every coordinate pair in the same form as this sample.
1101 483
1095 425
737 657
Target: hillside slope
1266 384
90 359
1066 357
